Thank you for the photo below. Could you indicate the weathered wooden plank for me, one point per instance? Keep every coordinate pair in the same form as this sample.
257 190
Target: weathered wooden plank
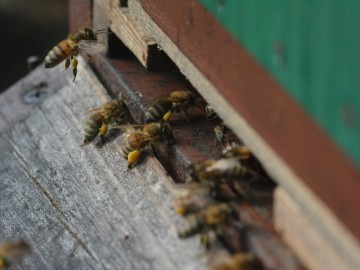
27 213
18 100
291 222
119 219
326 216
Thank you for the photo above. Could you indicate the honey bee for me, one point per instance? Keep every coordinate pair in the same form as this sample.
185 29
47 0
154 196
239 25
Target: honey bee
12 252
133 143
161 109
192 197
100 118
236 150
226 136
83 41
212 218
210 112
216 169
239 261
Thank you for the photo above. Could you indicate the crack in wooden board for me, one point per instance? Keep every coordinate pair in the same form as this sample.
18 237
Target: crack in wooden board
100 202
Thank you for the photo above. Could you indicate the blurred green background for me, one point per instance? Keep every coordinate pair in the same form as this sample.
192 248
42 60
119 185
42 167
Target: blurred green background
312 48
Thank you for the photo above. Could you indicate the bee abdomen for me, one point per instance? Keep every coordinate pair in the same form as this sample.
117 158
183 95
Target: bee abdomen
236 172
157 110
57 54
91 130
127 148
193 226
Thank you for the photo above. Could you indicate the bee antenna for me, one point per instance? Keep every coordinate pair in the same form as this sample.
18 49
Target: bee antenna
103 31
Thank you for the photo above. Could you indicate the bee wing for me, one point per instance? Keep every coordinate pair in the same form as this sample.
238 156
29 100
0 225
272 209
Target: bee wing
95 110
177 99
223 164
91 46
127 126
127 138
123 138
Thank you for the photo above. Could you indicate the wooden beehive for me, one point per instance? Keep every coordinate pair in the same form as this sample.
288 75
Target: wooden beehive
100 217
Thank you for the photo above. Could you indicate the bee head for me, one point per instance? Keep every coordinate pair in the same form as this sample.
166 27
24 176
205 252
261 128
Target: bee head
90 35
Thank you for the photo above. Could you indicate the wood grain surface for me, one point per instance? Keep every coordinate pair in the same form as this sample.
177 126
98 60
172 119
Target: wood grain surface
76 205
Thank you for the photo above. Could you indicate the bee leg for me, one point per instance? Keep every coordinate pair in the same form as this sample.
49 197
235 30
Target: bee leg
67 63
74 63
88 55
103 131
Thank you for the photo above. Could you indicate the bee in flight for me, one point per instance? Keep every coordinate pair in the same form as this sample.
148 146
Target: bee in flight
134 142
161 109
83 41
12 252
111 112
211 218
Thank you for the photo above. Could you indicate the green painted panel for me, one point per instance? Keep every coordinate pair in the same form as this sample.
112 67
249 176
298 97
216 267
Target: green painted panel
312 47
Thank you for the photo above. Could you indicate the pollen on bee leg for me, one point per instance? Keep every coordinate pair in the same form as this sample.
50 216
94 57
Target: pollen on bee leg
134 156
180 211
166 117
103 131
74 63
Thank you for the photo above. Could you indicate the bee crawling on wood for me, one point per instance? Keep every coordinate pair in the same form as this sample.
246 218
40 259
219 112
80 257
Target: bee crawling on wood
13 252
161 109
210 219
216 169
134 142
83 41
112 112
193 197
239 261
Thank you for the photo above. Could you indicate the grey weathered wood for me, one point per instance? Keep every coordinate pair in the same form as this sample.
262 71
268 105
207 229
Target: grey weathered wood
336 234
77 205
17 101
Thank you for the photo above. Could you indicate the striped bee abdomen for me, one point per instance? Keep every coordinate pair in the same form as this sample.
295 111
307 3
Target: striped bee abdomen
57 54
136 140
92 127
157 110
237 171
